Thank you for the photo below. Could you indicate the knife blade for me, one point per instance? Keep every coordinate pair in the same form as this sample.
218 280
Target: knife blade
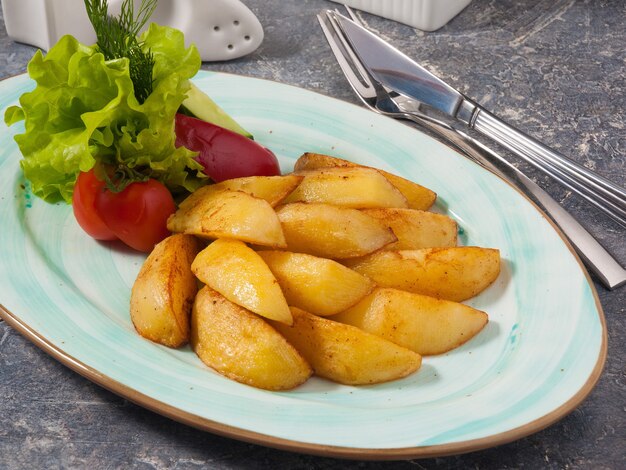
403 75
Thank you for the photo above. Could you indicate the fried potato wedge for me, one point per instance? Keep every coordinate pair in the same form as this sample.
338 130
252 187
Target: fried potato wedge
242 346
271 188
314 161
222 213
318 285
356 187
238 273
274 189
456 273
418 197
163 292
418 322
331 231
346 354
416 229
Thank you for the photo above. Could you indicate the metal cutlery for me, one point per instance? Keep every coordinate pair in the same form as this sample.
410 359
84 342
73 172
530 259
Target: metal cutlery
380 99
427 94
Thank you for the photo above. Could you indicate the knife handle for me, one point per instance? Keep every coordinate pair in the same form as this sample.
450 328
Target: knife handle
596 189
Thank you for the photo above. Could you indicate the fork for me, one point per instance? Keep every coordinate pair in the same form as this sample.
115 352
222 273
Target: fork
381 100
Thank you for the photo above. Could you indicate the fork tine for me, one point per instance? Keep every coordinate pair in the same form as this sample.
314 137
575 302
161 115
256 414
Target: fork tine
353 16
347 47
360 84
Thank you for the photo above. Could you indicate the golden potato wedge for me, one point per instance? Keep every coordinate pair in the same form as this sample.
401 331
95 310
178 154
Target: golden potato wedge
242 346
416 229
163 293
346 354
418 322
274 189
315 161
222 213
238 273
331 231
318 285
456 273
194 199
418 197
271 188
356 187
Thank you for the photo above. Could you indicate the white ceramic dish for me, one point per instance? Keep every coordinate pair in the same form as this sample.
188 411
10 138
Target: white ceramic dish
427 15
538 358
220 29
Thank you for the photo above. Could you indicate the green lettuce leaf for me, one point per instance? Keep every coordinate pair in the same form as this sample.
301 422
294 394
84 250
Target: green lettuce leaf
83 110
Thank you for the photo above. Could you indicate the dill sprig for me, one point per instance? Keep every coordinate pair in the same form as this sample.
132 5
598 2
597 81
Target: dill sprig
117 38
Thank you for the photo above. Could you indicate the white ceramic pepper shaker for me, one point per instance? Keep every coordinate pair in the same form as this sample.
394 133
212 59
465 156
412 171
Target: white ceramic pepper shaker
220 29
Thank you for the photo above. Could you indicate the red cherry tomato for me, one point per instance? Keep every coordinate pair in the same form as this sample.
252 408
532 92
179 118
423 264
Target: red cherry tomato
138 214
223 153
83 202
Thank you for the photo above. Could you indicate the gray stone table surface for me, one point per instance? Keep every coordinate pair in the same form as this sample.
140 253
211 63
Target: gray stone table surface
555 68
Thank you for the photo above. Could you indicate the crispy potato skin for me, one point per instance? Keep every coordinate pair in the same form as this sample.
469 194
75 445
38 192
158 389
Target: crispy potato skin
346 354
163 293
418 322
417 196
416 229
456 273
242 346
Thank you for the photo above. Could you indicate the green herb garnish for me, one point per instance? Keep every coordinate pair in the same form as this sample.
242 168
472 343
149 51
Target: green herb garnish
118 38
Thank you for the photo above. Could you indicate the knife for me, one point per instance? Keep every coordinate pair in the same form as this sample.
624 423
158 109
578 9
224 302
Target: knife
401 74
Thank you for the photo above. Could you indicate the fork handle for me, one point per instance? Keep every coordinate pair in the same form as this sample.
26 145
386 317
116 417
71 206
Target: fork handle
596 189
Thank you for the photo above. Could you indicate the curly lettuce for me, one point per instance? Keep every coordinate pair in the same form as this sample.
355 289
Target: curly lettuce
84 110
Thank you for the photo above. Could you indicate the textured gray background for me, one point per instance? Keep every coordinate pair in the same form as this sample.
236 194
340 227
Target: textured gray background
555 68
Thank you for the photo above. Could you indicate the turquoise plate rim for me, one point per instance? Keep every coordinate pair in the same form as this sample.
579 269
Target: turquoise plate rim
18 319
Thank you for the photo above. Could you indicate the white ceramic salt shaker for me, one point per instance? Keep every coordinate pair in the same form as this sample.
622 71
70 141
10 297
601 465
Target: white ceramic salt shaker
220 29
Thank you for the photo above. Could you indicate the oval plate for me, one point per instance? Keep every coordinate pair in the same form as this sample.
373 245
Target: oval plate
538 358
